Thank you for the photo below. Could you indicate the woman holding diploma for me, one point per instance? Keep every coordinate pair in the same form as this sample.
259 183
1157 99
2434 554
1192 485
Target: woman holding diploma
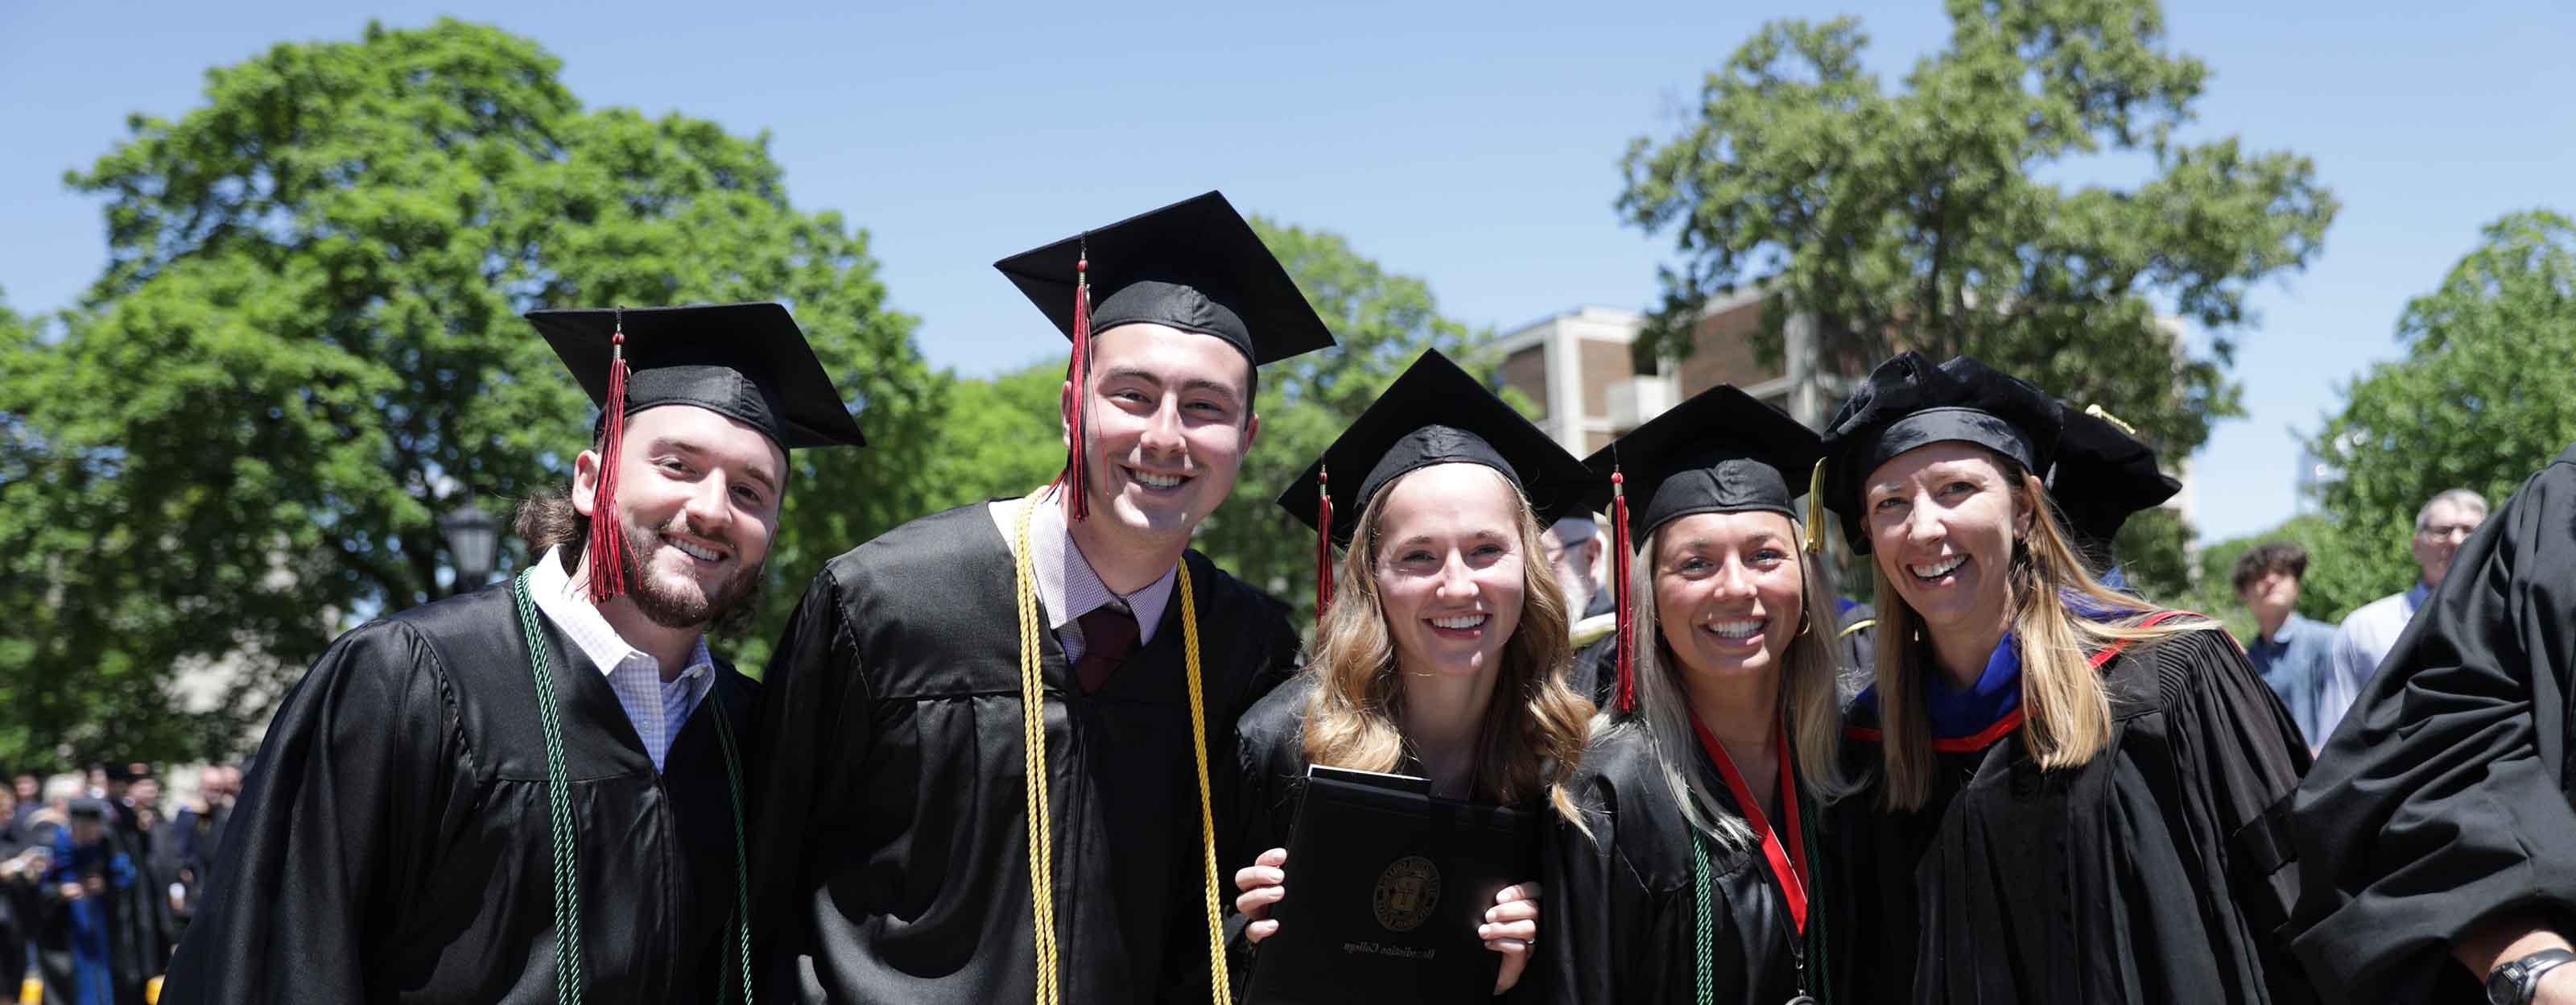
2071 793
1706 773
1441 648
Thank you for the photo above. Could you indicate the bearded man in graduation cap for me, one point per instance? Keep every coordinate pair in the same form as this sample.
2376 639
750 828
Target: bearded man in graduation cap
532 792
986 769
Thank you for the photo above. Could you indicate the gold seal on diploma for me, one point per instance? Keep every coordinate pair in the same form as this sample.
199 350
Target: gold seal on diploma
1406 893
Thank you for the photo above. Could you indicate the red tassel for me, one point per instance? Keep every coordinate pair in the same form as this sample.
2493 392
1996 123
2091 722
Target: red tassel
1323 543
1079 370
607 537
1619 574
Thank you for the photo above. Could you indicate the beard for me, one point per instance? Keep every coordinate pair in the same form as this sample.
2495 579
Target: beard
1577 588
723 610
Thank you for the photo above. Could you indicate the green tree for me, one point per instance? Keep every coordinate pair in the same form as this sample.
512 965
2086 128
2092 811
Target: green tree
1925 218
2482 399
306 348
2336 582
1012 441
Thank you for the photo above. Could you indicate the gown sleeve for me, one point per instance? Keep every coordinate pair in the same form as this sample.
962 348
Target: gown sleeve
2239 758
343 803
1590 911
2443 800
813 730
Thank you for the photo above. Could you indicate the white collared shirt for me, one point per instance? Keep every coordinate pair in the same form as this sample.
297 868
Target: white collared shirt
657 709
1067 586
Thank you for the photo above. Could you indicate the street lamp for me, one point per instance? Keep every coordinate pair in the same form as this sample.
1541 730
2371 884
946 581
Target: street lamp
472 536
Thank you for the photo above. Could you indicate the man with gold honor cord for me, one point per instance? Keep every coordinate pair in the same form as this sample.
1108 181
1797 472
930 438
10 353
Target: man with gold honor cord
531 793
985 774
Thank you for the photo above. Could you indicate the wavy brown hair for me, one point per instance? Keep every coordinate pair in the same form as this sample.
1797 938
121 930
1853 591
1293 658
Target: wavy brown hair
2066 708
1535 725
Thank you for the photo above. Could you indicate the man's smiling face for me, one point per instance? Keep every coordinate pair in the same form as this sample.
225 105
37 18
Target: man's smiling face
1169 420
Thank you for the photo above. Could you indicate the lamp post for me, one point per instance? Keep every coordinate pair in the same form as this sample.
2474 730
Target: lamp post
472 536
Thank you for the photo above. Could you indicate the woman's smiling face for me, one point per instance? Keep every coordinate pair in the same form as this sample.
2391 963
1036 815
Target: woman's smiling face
1942 521
1449 571
1729 591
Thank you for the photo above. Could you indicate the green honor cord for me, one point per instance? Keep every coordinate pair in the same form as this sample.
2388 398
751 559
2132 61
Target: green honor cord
559 805
1703 922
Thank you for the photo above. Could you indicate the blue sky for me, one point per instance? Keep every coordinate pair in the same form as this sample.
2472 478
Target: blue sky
1473 145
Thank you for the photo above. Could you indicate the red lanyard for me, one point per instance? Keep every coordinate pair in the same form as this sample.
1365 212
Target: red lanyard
1792 879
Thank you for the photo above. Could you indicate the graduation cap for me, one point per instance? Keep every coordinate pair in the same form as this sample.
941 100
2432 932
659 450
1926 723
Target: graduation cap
2103 475
1435 413
745 361
1722 451
87 809
1194 265
1907 403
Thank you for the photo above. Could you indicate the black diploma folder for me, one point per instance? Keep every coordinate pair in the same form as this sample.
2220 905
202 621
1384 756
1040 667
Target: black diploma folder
1386 885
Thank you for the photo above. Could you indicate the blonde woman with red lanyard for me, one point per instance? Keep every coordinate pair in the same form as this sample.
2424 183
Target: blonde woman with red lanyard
1716 751
2070 795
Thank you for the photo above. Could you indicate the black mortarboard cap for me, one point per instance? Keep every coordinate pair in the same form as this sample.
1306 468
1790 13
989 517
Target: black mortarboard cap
2104 474
1907 403
1195 265
1721 451
1435 413
87 809
746 361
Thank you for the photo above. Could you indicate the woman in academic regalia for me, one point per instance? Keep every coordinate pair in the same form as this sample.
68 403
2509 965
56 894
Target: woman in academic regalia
2070 794
1708 768
1441 651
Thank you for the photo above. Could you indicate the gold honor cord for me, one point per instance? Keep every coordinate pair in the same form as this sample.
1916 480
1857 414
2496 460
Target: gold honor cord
1033 736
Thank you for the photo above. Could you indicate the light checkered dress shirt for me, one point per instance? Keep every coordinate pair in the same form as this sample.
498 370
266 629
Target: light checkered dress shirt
657 709
1067 588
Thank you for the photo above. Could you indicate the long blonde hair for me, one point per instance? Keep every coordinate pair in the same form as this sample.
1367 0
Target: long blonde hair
1533 733
2066 708
1809 706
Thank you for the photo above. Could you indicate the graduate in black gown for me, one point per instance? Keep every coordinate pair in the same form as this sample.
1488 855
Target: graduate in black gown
1718 749
1041 687
400 837
2440 822
1441 650
2070 796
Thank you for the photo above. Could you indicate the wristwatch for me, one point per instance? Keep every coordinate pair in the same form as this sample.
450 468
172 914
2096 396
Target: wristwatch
2514 982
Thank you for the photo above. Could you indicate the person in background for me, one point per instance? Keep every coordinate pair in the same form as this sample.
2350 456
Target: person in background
2371 630
2291 652
29 788
1574 550
80 940
2437 835
21 862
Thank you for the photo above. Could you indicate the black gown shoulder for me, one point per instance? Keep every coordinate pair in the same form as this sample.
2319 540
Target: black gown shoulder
2155 872
392 842
2449 793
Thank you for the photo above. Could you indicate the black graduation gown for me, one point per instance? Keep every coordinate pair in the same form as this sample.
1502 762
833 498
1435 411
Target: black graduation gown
891 854
1594 673
2154 873
2445 797
392 843
1622 904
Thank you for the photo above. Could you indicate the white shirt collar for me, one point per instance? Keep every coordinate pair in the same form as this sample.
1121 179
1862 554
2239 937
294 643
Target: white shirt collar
1067 586
559 596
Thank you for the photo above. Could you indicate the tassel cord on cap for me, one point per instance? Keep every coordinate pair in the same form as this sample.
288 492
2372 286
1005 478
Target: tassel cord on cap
1619 574
1816 510
607 543
1079 371
1323 543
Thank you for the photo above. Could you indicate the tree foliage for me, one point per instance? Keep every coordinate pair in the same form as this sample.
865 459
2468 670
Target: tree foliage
1924 218
306 348
1007 439
2483 397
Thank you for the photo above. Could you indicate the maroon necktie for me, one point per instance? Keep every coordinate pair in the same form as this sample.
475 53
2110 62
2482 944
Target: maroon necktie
1108 636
